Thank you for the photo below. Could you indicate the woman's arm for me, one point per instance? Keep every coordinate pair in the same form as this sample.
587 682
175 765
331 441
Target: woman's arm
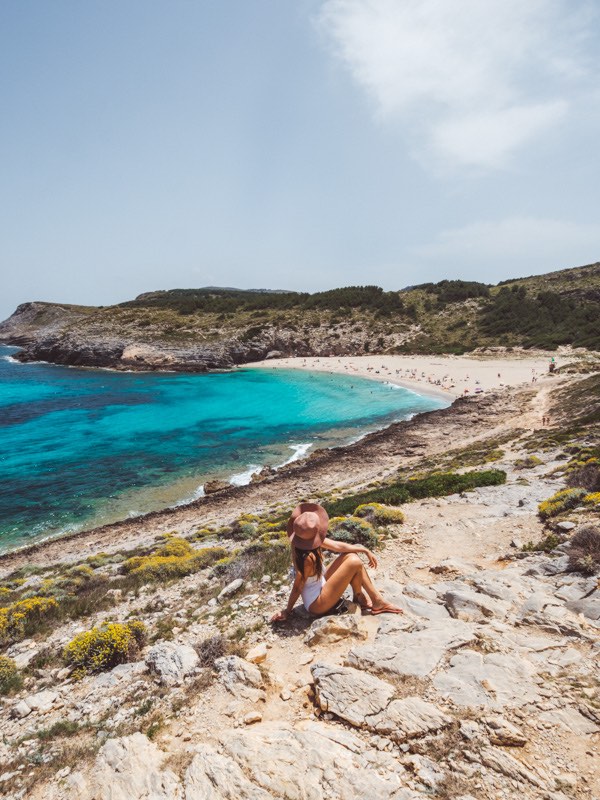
344 547
281 616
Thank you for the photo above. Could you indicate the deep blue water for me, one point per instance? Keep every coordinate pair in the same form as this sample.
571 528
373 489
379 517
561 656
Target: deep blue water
79 447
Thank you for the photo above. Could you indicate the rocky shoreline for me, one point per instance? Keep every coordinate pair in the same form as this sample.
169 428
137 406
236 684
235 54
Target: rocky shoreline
373 457
87 337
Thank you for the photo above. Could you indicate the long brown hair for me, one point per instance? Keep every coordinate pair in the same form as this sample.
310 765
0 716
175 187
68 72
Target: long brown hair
300 557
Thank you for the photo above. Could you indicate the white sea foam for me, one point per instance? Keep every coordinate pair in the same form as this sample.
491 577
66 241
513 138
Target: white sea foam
196 495
300 450
10 360
244 478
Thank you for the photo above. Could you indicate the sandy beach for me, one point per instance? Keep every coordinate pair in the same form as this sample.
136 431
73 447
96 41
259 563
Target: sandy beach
442 376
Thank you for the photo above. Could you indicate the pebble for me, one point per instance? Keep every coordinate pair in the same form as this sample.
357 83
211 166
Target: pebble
252 717
257 654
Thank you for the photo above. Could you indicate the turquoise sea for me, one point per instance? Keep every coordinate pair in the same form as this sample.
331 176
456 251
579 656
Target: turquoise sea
81 447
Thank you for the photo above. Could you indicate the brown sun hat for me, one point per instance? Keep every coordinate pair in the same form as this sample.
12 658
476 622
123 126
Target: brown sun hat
307 527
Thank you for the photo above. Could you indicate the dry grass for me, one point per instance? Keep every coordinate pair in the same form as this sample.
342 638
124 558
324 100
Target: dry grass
407 685
179 762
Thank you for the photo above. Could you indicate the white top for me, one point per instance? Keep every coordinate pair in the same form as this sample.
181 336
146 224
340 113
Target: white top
311 589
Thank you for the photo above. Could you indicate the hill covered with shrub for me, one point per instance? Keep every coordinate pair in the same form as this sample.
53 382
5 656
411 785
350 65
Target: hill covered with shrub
212 328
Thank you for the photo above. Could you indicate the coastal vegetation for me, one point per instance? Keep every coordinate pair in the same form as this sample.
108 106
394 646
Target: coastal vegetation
380 514
584 553
353 530
436 484
561 501
10 679
174 559
23 617
104 647
213 327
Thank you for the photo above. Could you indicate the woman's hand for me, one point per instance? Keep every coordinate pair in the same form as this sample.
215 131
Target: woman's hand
280 616
371 558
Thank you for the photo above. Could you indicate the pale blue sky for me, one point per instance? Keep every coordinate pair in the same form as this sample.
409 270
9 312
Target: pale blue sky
301 144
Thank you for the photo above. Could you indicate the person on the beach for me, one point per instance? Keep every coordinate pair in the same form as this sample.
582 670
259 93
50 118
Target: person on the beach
320 588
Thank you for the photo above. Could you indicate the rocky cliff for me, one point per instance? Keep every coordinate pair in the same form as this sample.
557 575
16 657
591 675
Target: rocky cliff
218 328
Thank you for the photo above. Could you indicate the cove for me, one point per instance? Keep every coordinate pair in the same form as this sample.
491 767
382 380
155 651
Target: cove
83 447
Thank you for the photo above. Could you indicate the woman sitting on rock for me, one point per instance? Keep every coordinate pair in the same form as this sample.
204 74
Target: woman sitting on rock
322 589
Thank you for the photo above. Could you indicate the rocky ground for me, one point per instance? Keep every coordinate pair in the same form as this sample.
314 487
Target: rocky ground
487 687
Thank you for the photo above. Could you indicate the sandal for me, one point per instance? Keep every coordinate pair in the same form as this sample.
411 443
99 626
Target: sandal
387 609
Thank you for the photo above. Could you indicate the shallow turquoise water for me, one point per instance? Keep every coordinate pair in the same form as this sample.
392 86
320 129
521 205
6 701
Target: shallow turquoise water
81 447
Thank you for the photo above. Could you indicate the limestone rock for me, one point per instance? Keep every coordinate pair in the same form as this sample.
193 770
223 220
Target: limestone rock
565 526
211 776
352 695
469 605
230 589
252 717
505 585
128 768
311 762
234 671
504 733
20 710
572 720
257 654
496 759
417 606
41 702
493 680
589 607
210 487
411 652
171 662
547 612
328 630
366 702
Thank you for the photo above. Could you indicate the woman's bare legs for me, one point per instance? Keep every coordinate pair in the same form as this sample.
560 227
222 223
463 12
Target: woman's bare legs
347 570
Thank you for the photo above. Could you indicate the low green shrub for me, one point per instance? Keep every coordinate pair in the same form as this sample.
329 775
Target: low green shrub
561 501
393 495
529 462
586 476
379 514
175 546
157 567
353 530
545 545
24 617
437 484
440 484
256 560
10 679
104 647
584 553
62 728
242 530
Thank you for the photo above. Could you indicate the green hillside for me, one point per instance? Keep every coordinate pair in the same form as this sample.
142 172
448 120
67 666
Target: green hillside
451 316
